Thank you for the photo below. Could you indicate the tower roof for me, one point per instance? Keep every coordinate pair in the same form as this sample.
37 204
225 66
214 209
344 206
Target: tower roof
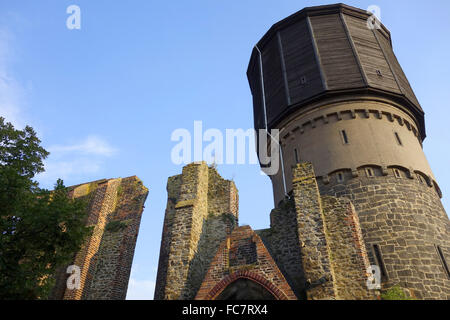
322 52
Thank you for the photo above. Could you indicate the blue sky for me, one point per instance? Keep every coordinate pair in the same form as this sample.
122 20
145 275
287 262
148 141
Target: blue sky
105 99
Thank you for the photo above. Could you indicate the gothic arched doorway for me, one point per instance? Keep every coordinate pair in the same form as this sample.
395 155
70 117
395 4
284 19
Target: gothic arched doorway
245 289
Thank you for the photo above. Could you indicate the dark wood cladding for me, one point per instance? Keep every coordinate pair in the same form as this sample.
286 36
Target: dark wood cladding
255 87
337 58
323 51
370 55
273 71
301 62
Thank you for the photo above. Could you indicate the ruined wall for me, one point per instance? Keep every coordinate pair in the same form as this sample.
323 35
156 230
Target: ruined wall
114 211
311 232
282 241
346 250
313 250
334 255
202 209
400 211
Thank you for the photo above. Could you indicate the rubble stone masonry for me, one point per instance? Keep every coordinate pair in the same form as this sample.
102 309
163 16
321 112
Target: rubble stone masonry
314 248
400 213
202 209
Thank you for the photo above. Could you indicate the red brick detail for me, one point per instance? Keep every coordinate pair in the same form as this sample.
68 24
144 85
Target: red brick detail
263 271
215 292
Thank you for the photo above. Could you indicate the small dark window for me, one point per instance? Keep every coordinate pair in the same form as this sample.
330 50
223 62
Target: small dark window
399 141
369 172
340 177
379 261
419 177
379 73
297 160
444 263
344 137
397 173
303 80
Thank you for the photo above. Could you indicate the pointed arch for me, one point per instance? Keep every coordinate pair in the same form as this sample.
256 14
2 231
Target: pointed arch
266 284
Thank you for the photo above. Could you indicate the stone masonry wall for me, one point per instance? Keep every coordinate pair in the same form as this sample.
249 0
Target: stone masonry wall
401 213
312 239
346 249
332 251
105 258
202 209
173 191
283 244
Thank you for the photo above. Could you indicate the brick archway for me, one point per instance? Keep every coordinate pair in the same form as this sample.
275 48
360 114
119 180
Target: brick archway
225 282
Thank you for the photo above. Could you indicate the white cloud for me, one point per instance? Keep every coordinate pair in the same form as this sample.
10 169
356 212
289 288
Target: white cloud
67 169
140 289
78 161
11 92
92 145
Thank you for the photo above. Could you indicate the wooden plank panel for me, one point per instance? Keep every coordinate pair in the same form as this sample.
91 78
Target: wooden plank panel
338 61
371 56
273 80
255 84
300 62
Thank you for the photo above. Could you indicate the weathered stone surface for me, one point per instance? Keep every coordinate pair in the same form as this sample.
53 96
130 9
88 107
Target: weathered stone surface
106 257
314 248
320 239
202 210
404 216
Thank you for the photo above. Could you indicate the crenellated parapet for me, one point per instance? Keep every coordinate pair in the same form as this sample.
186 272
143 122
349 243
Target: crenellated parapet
350 135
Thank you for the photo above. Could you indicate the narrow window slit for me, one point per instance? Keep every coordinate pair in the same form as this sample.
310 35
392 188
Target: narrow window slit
399 141
443 261
379 261
344 137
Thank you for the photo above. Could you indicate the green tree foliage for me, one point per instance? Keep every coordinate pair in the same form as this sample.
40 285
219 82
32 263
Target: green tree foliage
41 230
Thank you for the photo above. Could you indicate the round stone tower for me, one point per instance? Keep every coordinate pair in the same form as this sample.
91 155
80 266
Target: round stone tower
328 79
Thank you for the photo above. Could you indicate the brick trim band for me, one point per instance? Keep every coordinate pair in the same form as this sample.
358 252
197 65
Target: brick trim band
269 286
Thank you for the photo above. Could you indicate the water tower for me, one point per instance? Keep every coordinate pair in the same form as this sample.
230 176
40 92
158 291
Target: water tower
328 79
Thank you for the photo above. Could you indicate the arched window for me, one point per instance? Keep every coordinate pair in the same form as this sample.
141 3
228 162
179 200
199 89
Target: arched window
245 289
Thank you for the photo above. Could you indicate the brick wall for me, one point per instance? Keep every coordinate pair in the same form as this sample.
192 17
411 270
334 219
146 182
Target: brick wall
106 257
